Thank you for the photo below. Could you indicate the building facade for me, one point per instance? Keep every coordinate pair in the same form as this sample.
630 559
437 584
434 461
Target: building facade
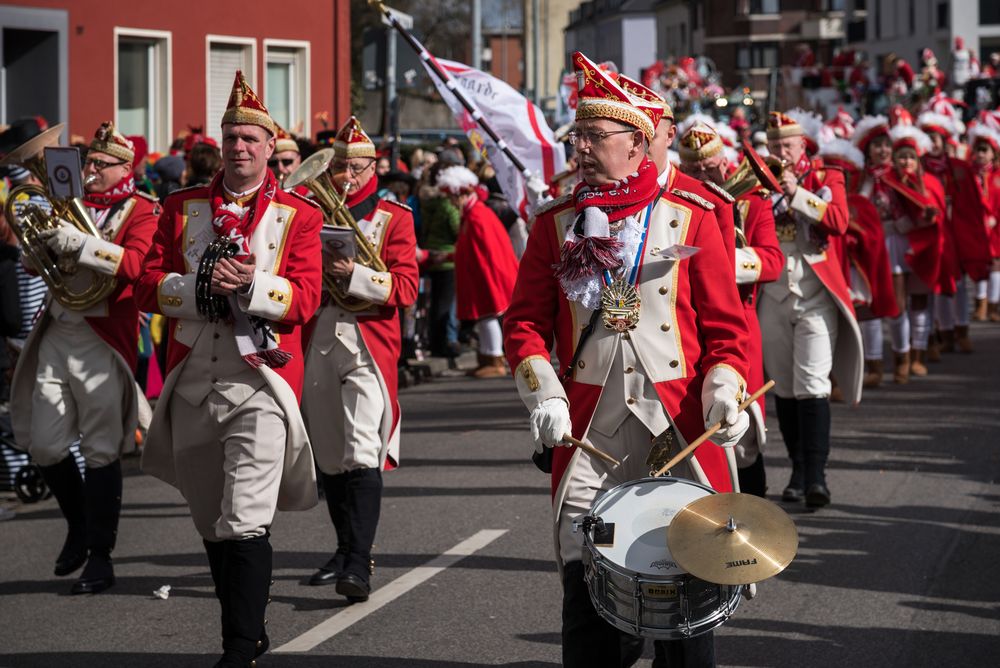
158 68
622 31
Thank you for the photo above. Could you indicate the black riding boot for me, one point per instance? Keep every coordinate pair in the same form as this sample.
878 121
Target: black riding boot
102 491
364 503
246 581
66 484
814 426
697 652
588 640
753 478
788 421
335 492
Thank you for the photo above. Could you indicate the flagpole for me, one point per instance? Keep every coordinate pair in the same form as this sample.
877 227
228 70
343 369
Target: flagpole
451 85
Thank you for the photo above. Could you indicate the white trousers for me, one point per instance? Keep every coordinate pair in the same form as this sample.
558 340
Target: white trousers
79 384
490 337
799 337
229 460
343 408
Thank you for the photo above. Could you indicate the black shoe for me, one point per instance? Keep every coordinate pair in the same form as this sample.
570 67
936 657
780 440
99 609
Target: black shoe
792 494
354 588
74 552
97 576
328 574
817 496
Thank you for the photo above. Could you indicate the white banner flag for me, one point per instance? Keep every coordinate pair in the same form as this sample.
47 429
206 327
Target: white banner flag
518 123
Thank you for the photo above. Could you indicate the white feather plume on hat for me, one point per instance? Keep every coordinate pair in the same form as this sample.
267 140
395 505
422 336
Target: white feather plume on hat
844 150
810 121
864 128
910 134
457 180
931 119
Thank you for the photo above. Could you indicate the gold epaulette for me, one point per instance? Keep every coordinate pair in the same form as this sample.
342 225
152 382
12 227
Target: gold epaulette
145 195
303 198
720 191
553 204
692 197
396 202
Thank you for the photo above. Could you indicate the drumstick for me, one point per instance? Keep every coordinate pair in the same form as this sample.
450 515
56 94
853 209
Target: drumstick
711 430
591 450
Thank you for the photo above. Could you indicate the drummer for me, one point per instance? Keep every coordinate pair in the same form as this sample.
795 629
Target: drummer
647 358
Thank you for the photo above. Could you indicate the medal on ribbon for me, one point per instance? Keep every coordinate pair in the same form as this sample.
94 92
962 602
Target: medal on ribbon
620 302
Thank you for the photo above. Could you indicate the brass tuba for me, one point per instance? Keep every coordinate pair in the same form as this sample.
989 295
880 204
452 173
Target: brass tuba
74 289
314 174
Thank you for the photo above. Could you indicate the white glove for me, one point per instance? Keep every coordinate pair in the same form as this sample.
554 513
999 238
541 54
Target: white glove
64 240
734 422
549 423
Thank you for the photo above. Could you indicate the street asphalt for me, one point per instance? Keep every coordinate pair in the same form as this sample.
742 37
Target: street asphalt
899 571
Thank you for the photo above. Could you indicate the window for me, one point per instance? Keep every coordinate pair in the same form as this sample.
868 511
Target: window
142 93
756 56
286 83
745 7
225 56
942 16
989 12
912 16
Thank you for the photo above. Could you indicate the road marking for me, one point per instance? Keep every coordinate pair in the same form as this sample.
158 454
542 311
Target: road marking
384 595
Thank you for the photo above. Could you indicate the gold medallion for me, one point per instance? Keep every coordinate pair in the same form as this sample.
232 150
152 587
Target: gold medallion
620 306
785 228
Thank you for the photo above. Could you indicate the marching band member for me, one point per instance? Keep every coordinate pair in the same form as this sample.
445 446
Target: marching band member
286 158
913 234
806 315
758 260
227 431
985 143
662 355
485 268
351 384
871 137
966 237
75 360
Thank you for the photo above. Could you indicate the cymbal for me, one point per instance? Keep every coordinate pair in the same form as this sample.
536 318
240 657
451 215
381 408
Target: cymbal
732 539
33 146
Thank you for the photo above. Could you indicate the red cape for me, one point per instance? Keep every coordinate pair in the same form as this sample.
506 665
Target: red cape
485 265
967 240
926 241
866 251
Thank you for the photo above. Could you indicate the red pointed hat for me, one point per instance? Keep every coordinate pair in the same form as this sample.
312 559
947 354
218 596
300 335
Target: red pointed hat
108 140
352 141
598 96
646 97
899 115
245 108
284 141
698 142
780 125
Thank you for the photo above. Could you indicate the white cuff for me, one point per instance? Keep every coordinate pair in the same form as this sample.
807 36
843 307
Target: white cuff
100 255
175 295
370 285
537 381
748 265
808 204
269 297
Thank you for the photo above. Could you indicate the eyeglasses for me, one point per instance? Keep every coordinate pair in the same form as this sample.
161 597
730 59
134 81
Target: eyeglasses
354 169
100 165
591 137
285 162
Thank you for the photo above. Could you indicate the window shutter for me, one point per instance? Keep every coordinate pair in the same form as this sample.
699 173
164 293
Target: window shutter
224 60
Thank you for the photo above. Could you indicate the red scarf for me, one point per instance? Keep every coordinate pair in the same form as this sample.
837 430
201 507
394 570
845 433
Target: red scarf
937 164
620 198
235 222
355 198
118 192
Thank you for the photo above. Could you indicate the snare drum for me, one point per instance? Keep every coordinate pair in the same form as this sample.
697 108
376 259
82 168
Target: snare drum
633 581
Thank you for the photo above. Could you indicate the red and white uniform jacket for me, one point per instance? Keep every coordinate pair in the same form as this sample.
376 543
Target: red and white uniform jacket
485 265
672 178
815 218
758 260
285 292
388 228
126 234
967 240
865 250
689 338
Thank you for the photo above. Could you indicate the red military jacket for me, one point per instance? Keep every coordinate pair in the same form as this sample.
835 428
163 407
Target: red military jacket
722 203
967 240
691 324
127 233
286 288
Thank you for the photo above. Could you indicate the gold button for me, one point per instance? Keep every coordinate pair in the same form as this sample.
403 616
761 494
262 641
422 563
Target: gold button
190 240
180 326
630 401
665 327
663 289
374 279
270 293
281 219
281 297
271 246
674 223
655 251
582 364
194 214
673 364
97 253
629 369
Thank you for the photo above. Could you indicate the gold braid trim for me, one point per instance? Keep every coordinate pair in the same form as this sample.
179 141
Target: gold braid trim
619 111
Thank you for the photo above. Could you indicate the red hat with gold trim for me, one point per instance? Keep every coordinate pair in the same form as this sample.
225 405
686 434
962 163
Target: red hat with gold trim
646 97
245 108
352 141
780 125
284 141
108 140
699 142
598 96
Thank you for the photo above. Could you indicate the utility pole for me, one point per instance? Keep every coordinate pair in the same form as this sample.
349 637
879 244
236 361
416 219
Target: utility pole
477 34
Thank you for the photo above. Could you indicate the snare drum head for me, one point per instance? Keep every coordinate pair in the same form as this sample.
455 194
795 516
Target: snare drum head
641 511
